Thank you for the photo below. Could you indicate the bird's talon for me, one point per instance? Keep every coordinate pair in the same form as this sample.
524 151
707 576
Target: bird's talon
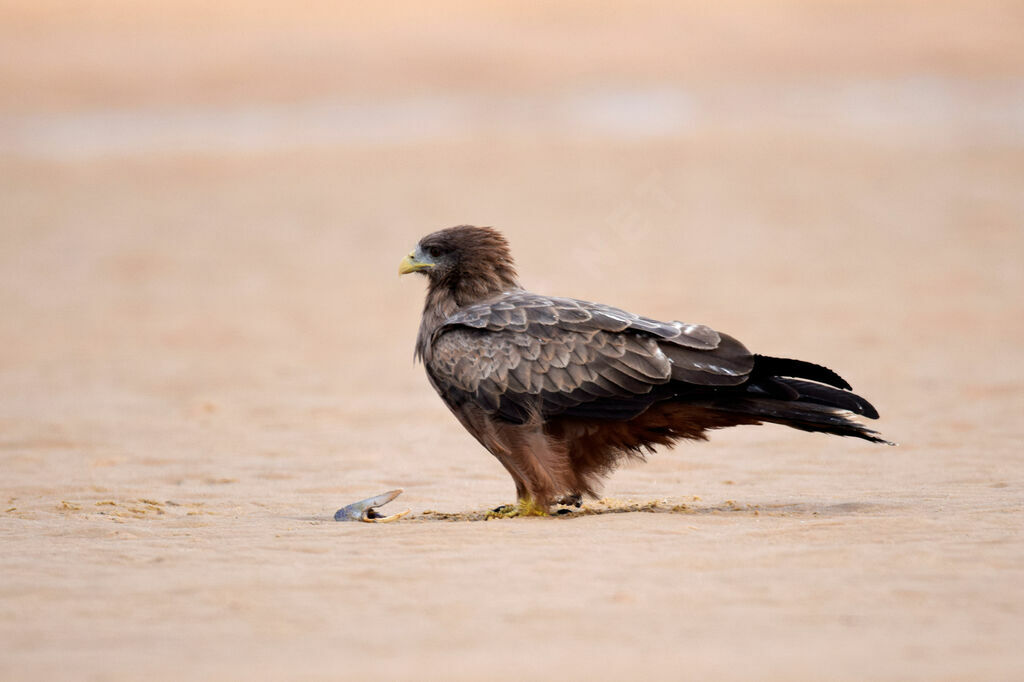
574 500
522 508
366 510
505 511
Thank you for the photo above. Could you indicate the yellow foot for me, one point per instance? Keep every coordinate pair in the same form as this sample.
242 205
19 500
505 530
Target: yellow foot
531 508
522 508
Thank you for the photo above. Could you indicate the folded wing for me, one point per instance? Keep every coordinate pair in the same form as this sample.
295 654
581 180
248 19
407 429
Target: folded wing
522 354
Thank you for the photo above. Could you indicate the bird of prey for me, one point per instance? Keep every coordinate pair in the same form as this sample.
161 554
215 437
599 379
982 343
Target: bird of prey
561 390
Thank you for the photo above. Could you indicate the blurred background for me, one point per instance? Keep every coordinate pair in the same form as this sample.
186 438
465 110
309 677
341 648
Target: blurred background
202 196
203 204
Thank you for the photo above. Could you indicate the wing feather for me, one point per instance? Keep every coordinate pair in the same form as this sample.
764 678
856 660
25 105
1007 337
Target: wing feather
521 354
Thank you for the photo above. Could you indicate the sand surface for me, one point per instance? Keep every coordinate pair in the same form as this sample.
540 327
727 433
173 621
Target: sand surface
205 351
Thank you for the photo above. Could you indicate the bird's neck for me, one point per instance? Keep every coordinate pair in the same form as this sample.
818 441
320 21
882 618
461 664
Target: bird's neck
444 300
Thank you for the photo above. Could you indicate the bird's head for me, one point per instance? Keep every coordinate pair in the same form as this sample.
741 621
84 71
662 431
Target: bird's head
471 262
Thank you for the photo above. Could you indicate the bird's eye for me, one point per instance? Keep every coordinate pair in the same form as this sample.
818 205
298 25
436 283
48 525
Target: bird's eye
434 251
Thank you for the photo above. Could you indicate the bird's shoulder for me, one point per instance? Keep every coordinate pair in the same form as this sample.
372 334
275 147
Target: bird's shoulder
524 312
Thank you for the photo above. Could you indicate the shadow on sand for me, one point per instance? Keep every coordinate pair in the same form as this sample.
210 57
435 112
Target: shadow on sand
611 506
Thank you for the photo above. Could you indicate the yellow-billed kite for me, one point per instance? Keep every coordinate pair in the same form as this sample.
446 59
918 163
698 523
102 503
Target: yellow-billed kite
561 390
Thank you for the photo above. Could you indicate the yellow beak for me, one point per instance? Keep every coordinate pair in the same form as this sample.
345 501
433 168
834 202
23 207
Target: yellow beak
410 264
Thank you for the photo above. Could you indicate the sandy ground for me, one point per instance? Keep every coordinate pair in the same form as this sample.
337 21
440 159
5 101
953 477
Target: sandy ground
205 350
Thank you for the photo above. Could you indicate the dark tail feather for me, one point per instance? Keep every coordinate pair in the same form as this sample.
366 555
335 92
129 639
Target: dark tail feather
778 392
827 396
767 367
806 416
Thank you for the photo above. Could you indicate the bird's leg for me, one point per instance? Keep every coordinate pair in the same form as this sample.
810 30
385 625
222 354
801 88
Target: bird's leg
508 511
530 507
